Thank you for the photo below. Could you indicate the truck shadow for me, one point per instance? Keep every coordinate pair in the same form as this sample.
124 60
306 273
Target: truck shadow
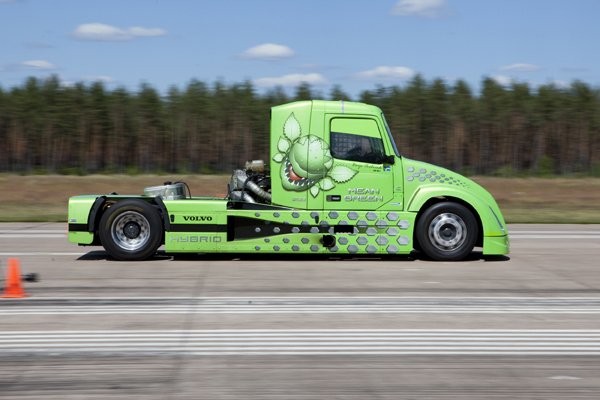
101 255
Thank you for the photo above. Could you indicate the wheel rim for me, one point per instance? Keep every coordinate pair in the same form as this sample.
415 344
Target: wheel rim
130 231
447 232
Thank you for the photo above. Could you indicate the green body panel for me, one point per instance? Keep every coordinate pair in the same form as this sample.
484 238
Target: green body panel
202 227
82 238
194 221
496 245
369 207
78 213
79 208
294 231
425 182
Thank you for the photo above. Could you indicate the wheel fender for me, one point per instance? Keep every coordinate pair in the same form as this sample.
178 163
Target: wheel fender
164 213
484 211
95 213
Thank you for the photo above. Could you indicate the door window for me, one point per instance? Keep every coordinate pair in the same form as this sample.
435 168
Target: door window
356 139
345 146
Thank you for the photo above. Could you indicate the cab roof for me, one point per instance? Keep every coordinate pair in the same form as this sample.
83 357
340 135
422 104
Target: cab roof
334 106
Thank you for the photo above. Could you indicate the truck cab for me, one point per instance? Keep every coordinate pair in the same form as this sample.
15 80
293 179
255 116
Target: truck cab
334 156
334 183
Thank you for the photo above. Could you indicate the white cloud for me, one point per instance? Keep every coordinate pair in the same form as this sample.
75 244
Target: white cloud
139 31
521 67
291 80
103 32
387 73
502 80
97 31
38 64
268 51
420 8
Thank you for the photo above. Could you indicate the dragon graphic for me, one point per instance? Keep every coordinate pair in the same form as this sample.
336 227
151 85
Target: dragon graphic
306 161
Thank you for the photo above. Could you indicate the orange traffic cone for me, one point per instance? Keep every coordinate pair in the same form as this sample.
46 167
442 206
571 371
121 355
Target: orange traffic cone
13 288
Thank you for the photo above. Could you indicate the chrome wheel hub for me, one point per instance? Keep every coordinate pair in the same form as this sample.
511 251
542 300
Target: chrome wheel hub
447 232
130 231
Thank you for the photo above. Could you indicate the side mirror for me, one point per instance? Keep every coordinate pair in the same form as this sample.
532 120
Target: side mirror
389 160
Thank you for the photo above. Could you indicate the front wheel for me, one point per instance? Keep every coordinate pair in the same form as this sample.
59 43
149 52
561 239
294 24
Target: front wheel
447 231
131 230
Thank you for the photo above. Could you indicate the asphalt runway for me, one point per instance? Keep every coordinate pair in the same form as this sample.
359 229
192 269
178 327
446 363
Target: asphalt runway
211 327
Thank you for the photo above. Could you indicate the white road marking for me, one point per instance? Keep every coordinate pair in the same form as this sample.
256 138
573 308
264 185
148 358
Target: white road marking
34 231
307 342
564 378
554 234
33 236
221 299
568 237
303 305
188 310
557 232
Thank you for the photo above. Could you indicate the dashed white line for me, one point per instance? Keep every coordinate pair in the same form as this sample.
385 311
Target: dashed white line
304 305
33 236
307 342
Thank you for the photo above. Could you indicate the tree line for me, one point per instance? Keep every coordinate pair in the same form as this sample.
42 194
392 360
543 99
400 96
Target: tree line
46 127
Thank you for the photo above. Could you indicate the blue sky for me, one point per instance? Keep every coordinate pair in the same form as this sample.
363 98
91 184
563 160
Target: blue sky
356 44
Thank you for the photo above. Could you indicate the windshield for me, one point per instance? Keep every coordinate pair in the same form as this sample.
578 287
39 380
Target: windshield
389 132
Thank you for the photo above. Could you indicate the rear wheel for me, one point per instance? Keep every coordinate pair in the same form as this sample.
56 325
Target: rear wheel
447 231
131 230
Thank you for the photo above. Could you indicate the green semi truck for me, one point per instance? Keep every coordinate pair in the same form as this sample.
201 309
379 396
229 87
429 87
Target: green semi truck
334 184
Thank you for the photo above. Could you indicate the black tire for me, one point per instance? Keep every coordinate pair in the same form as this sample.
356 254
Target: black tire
131 230
447 232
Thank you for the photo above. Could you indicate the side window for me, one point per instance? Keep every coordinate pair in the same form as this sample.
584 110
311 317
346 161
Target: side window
345 146
356 139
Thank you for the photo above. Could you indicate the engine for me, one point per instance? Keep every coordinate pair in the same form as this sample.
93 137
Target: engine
251 184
